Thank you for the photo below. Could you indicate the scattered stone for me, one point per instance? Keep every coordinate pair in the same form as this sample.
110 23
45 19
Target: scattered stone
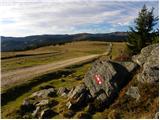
27 106
90 108
71 91
102 97
156 115
69 105
77 91
35 112
77 96
44 93
133 92
63 75
63 91
79 77
43 103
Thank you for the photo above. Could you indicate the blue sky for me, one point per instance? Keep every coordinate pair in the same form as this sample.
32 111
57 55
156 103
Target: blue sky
32 17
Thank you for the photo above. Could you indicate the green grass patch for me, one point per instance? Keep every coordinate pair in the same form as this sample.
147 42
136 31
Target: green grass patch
10 103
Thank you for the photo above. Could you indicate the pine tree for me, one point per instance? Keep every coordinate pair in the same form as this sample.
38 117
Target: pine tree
142 33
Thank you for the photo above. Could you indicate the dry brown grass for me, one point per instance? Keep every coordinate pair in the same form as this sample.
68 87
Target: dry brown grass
50 54
118 48
127 107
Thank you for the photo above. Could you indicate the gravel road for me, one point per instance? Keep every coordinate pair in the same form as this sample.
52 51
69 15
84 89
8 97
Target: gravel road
17 76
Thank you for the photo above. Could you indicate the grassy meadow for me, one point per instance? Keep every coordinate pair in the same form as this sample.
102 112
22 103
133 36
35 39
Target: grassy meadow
44 55
67 77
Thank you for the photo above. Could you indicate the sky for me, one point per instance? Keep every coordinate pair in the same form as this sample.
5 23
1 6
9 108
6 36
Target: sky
35 17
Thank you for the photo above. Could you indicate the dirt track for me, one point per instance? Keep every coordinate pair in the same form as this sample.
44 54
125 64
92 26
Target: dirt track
18 76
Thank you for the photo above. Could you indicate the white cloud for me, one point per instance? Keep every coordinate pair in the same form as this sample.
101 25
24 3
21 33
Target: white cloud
39 17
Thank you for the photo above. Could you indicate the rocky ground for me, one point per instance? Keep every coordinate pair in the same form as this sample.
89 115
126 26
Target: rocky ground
110 89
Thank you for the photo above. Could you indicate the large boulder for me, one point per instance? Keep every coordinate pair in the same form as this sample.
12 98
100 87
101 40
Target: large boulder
106 78
150 66
140 59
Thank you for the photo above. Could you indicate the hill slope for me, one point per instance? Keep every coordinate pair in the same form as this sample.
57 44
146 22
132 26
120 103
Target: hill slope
31 42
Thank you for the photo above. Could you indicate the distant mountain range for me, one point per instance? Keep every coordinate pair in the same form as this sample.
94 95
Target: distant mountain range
31 42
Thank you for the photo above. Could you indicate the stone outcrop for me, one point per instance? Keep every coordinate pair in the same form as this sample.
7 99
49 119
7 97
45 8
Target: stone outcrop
105 78
149 60
62 91
27 106
77 96
141 58
39 104
44 93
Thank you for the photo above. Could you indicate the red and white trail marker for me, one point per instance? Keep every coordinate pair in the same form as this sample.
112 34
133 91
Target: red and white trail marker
98 79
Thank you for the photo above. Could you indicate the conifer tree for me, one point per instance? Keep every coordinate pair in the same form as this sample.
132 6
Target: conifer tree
142 33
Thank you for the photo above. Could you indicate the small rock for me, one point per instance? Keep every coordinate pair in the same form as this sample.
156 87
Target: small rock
90 108
156 115
69 105
43 103
44 93
35 112
47 113
77 91
63 91
77 97
133 92
26 106
102 97
79 77
71 91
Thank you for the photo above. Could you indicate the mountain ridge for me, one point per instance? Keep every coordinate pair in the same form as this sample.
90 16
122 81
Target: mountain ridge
35 41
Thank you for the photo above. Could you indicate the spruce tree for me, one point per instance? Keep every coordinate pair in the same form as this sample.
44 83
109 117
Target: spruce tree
142 33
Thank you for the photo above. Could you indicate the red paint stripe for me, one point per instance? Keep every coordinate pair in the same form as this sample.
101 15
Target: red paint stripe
98 79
